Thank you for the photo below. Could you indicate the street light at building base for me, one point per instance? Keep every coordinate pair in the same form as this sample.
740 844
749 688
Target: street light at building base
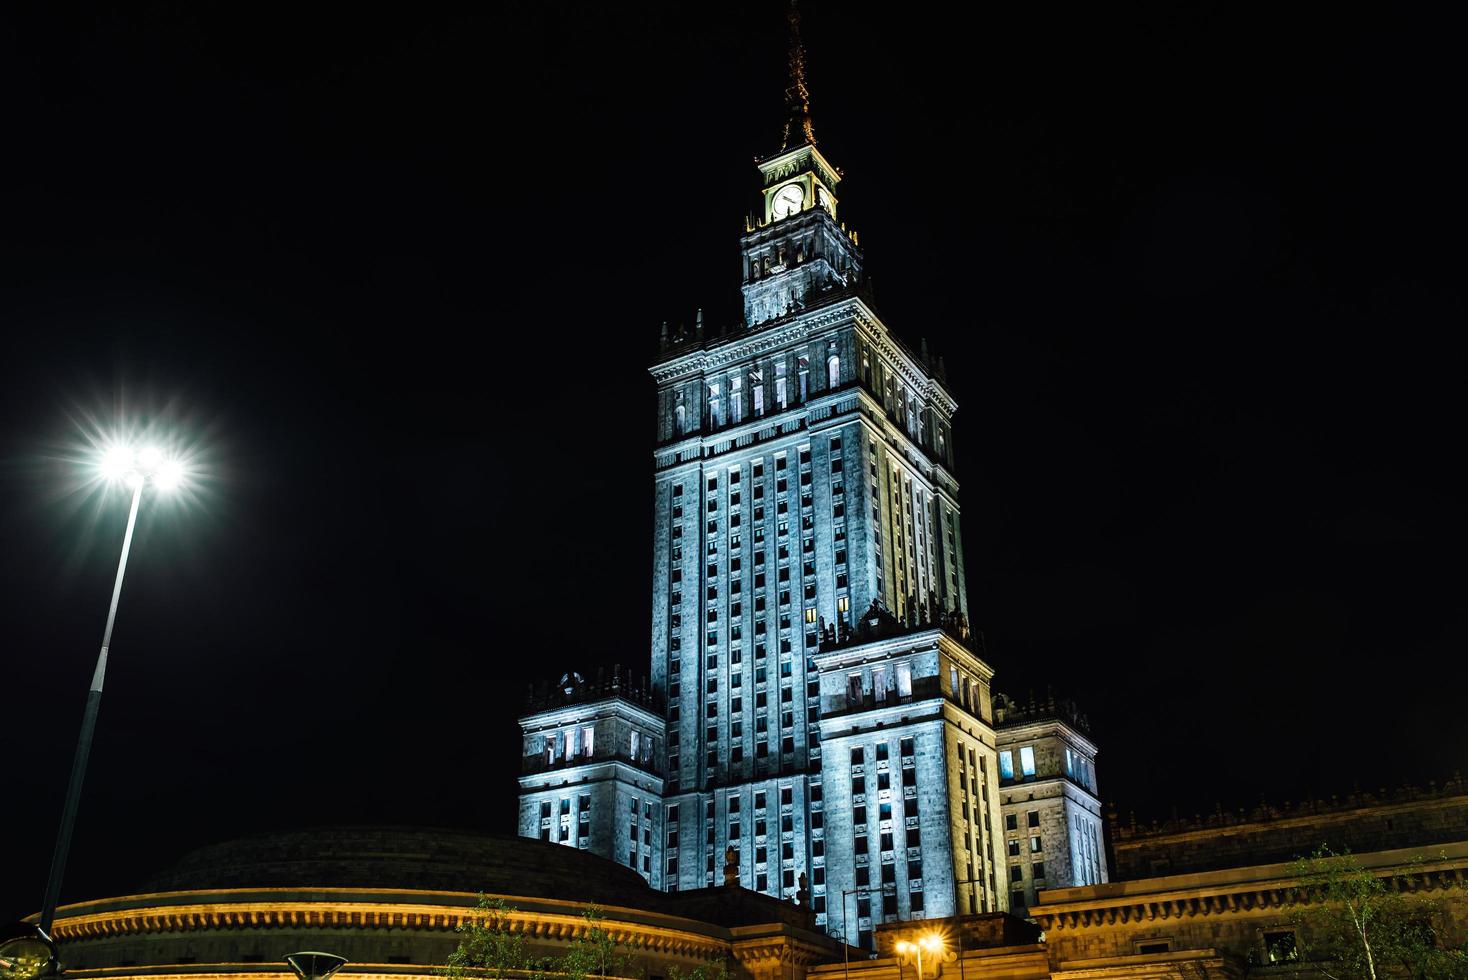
26 952
315 966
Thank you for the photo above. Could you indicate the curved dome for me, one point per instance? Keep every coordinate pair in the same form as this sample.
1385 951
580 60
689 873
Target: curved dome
388 858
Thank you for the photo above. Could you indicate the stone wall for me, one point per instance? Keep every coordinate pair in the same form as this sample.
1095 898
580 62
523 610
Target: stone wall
1361 822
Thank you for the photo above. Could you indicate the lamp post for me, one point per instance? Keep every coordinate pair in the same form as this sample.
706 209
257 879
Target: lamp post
846 939
136 469
310 965
26 952
956 883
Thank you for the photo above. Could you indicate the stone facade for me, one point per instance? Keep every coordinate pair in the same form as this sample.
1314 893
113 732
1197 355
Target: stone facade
1052 811
590 770
909 776
1405 818
803 474
1230 920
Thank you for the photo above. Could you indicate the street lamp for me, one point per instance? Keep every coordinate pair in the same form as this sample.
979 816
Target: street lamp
315 966
26 952
846 939
135 467
930 941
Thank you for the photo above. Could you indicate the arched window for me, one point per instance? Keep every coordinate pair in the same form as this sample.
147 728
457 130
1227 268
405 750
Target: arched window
680 419
833 371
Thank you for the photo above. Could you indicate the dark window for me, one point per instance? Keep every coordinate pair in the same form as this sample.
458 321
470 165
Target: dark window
1280 947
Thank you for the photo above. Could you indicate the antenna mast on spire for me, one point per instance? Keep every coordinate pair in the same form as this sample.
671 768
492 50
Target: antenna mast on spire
798 127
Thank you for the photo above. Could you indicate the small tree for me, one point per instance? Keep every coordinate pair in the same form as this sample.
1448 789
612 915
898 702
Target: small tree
1355 925
716 970
488 947
595 953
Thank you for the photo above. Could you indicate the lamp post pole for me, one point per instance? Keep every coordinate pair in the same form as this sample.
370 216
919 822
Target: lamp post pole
89 725
846 939
970 882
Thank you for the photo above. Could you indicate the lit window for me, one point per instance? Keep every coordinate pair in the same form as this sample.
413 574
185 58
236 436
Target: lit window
1027 760
904 680
1006 765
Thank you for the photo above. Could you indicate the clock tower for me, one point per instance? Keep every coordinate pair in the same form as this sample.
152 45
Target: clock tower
796 250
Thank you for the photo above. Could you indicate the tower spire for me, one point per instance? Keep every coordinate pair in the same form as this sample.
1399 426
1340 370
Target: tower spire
797 97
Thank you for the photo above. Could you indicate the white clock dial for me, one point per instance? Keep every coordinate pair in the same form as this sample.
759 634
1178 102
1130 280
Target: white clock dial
787 201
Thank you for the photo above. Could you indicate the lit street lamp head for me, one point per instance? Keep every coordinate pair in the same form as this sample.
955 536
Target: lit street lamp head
315 966
25 952
135 467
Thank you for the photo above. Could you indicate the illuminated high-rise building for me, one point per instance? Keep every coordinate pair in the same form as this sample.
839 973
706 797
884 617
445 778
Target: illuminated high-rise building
828 726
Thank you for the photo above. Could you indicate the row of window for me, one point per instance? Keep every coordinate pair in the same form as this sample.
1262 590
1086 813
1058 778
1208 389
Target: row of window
973 787
1077 766
744 392
735 487
640 832
559 827
885 831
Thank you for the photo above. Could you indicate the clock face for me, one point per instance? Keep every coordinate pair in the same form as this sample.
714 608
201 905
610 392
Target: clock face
787 201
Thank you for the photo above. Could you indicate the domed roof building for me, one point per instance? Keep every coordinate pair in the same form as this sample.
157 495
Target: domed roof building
390 899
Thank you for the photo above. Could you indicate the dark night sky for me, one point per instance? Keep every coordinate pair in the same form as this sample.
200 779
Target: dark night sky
1195 269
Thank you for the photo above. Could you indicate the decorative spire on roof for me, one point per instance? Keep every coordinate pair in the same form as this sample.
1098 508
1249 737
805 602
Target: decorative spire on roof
797 97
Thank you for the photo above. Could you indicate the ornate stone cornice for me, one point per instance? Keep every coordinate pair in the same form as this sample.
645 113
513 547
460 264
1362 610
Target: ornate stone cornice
1095 908
760 340
255 909
882 341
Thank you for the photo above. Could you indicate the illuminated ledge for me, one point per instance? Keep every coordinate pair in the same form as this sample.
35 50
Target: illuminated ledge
246 971
362 908
267 971
1189 961
1266 887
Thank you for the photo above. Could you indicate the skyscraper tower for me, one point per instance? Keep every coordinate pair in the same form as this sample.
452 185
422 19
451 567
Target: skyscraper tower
806 509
